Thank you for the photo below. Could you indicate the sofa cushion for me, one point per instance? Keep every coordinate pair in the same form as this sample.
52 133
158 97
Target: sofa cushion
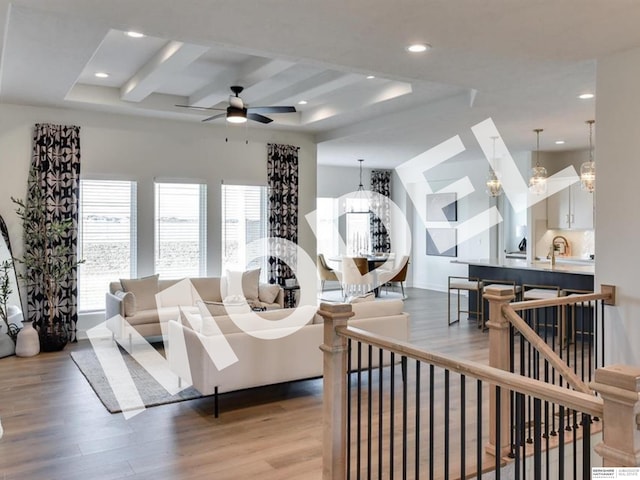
367 297
208 288
249 281
268 292
128 301
144 289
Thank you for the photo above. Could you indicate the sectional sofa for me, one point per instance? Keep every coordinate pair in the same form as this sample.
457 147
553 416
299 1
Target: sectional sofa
146 304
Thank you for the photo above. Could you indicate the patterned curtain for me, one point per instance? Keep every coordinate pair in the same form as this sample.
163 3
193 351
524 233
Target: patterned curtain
54 180
380 183
282 177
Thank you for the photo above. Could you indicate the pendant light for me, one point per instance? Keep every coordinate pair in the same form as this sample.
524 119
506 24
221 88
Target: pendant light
588 169
494 186
359 203
538 180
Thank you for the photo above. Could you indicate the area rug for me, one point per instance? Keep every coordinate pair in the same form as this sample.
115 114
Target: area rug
150 391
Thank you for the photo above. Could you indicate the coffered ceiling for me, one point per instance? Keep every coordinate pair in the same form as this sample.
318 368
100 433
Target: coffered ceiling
521 63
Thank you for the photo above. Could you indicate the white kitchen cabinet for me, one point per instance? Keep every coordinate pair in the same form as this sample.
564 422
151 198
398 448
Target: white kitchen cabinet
571 208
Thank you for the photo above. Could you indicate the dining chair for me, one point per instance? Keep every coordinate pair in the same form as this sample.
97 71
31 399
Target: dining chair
326 272
398 274
356 278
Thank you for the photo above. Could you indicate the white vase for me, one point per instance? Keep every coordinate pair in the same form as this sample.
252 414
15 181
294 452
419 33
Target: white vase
28 342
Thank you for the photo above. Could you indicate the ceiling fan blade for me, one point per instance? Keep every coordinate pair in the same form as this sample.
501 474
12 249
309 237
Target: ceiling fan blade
258 118
219 115
271 109
199 108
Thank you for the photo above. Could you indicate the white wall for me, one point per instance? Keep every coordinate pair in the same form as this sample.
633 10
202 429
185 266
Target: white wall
140 149
617 156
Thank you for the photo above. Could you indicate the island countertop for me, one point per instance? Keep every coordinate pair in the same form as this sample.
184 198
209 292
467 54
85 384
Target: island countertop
581 267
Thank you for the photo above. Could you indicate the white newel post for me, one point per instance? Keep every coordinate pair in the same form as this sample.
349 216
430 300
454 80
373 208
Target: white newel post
334 403
619 385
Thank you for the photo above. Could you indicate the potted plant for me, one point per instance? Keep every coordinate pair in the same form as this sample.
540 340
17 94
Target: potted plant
48 261
7 344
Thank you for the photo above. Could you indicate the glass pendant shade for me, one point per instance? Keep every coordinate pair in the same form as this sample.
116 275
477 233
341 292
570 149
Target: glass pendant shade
538 180
588 169
588 176
494 186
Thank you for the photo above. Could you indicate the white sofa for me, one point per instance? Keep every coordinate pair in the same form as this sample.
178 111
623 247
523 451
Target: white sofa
267 361
146 304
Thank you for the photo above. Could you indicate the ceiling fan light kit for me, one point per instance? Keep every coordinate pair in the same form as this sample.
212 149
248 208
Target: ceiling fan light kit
239 112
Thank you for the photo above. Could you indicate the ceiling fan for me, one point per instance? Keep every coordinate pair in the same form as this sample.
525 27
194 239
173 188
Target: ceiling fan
238 112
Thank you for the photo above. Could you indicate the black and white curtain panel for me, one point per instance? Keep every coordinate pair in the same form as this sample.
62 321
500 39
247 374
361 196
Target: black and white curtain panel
55 177
380 183
282 177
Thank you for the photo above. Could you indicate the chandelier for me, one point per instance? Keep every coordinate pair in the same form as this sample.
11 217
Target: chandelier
588 169
538 180
494 186
359 203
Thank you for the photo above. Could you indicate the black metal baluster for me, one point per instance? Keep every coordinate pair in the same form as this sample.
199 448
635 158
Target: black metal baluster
463 427
404 420
561 442
359 413
417 447
603 330
446 424
369 409
586 445
380 410
575 444
479 429
392 406
349 409
498 436
431 420
518 433
537 450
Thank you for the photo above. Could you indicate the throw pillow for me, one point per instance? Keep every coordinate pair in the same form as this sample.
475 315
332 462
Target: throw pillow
368 297
249 281
129 302
144 289
268 292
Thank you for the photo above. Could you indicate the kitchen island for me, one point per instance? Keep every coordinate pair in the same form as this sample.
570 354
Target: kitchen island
574 275
566 274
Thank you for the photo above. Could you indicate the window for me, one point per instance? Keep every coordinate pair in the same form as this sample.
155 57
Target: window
180 230
358 228
107 242
328 237
244 219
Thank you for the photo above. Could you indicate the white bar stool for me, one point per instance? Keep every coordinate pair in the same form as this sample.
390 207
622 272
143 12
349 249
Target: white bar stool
469 284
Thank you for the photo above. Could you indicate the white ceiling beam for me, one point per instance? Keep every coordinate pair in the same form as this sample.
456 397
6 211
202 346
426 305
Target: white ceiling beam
310 88
351 101
251 72
170 59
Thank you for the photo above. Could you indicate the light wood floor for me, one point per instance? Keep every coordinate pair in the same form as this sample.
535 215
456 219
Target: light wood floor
56 428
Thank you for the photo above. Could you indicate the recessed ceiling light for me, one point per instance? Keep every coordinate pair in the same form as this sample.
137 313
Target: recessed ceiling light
418 47
133 34
302 102
586 96
559 142
370 77
101 75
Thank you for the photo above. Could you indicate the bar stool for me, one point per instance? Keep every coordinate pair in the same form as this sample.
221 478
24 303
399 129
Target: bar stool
500 285
569 320
469 284
540 292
